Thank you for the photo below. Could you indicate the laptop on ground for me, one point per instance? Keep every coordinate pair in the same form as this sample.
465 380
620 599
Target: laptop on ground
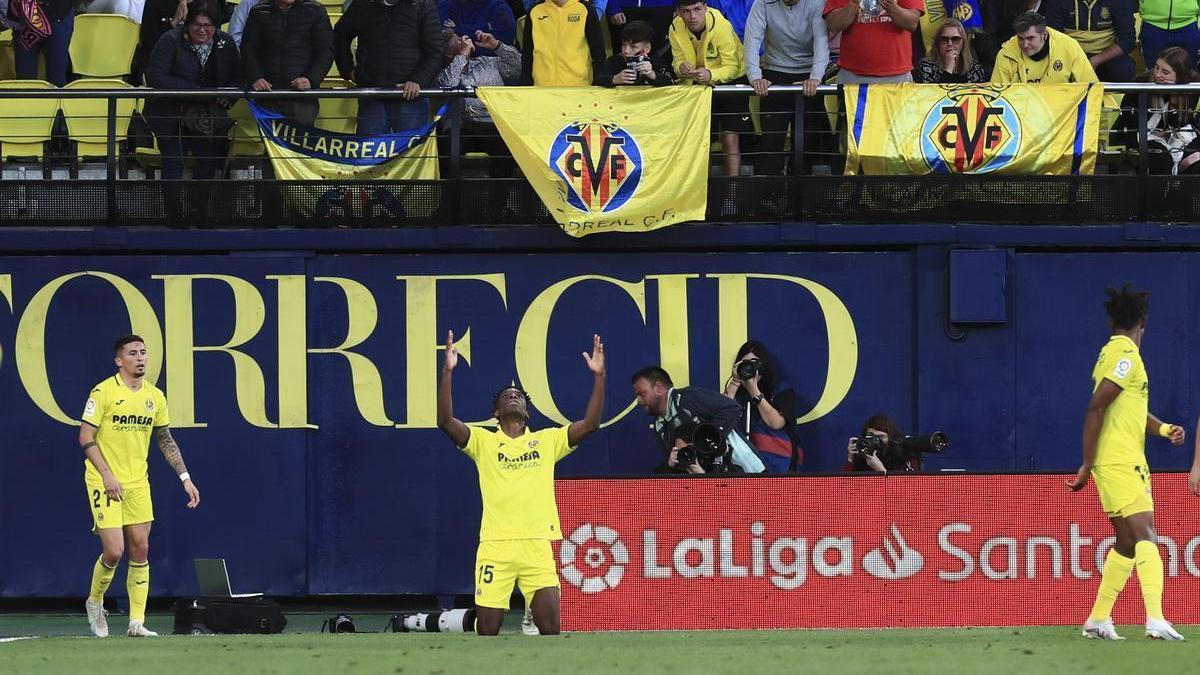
213 578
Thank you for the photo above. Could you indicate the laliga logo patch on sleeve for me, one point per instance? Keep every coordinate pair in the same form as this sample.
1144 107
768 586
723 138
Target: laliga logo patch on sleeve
90 408
1123 368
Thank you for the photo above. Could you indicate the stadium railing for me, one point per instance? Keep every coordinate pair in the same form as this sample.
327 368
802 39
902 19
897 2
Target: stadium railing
119 187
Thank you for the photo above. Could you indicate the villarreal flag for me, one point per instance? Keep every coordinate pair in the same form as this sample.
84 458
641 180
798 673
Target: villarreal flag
632 159
1030 129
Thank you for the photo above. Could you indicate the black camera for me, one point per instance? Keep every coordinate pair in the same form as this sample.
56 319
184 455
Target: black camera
340 623
632 61
708 448
870 445
749 369
899 452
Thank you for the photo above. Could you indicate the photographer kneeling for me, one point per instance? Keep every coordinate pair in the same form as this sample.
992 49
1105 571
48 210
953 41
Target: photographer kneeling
695 427
881 448
768 408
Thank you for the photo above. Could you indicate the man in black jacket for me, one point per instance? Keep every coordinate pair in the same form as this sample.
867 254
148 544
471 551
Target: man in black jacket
400 46
288 44
678 413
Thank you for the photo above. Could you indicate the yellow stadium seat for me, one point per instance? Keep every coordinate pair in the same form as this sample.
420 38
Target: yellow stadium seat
8 68
103 44
247 139
87 118
26 123
338 114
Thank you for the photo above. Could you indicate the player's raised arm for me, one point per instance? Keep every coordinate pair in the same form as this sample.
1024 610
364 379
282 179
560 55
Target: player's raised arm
1156 427
1093 419
91 449
170 450
595 407
453 427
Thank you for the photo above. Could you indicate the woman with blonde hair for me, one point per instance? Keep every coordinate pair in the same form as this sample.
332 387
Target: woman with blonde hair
950 59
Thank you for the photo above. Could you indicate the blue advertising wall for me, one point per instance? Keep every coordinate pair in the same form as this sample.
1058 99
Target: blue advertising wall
301 386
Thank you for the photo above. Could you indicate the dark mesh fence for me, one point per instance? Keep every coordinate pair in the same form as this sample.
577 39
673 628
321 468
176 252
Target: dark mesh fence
786 165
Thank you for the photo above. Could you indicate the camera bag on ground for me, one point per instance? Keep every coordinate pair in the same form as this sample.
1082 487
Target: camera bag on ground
201 616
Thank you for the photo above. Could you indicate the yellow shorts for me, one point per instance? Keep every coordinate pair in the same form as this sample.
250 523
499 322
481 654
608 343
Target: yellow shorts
529 563
135 507
1124 488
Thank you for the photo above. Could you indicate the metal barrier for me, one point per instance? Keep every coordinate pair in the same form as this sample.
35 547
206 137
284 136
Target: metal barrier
805 184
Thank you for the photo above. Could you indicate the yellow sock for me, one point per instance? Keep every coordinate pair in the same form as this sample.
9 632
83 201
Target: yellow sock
102 576
138 584
1150 577
1117 569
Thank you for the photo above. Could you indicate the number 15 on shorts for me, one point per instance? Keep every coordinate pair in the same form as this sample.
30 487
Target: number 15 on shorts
485 574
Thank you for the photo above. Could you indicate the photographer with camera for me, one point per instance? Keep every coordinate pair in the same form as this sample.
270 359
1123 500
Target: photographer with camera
768 408
696 427
636 64
881 448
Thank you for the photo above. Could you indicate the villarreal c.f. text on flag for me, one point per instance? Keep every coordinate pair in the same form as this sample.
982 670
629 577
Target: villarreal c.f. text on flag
631 159
1031 129
343 178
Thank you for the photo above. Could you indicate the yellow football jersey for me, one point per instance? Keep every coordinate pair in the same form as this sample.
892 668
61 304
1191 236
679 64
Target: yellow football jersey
125 420
516 478
1123 436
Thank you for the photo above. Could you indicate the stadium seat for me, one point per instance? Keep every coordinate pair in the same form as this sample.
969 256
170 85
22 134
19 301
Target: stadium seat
87 118
8 69
338 114
26 123
103 45
247 139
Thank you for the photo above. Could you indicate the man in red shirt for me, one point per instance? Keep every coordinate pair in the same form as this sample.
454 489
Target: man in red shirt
876 38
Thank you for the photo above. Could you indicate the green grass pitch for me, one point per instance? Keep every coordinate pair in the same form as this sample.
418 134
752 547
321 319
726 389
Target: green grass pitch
63 646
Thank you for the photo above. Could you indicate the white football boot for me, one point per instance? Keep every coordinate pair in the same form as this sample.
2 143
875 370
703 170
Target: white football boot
97 617
1161 629
1100 630
138 629
528 627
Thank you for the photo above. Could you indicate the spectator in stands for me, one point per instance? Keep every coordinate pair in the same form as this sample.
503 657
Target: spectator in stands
877 41
160 16
468 17
237 23
1104 28
130 8
41 28
562 45
705 51
768 406
1170 23
736 12
1173 144
985 41
195 55
610 10
637 63
884 460
288 44
658 13
950 60
466 68
678 412
794 45
1036 53
400 45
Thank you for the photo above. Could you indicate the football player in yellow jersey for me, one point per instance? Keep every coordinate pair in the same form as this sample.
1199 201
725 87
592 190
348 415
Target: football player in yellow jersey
516 480
1115 427
120 415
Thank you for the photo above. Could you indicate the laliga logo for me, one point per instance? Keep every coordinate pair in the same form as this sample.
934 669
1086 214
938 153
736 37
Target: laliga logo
601 165
902 562
601 548
971 130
